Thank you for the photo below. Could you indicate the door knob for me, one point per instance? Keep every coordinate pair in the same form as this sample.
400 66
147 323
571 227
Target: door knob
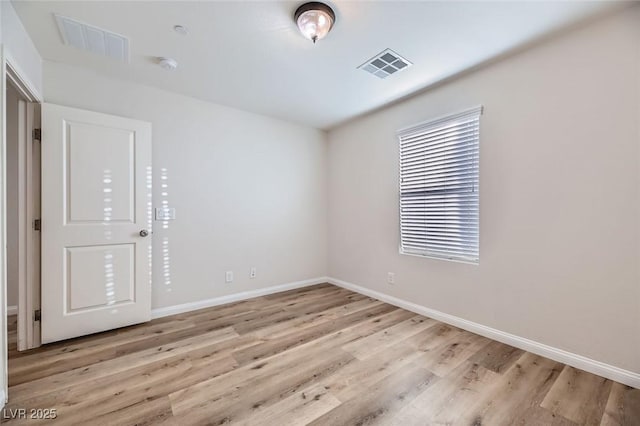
144 233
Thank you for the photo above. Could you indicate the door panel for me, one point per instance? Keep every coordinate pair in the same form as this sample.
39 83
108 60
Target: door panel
99 173
99 276
96 198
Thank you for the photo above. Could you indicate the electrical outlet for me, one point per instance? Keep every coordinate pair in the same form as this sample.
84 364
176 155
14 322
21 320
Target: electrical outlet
253 273
228 278
391 278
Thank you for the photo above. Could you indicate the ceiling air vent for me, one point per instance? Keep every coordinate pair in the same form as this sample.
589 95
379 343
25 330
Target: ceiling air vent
385 63
93 39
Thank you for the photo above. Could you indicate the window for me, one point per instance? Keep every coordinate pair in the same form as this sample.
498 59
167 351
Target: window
439 200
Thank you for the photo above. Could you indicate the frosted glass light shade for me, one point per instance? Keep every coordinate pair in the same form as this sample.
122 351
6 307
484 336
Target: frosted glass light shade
314 20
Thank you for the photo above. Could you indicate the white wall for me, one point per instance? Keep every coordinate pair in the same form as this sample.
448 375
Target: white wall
248 190
560 196
19 50
12 195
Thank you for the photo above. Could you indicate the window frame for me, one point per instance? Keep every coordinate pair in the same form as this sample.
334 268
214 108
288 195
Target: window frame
415 130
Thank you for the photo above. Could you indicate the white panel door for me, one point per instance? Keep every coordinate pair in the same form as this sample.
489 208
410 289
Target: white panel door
96 222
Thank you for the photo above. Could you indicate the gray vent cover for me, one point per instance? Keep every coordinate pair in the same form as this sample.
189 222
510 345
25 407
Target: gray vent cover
385 63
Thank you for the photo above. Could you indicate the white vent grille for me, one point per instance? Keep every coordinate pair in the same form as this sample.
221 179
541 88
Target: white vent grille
93 39
385 64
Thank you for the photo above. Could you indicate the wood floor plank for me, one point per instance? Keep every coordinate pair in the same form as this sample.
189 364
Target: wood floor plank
318 290
257 306
297 360
497 356
578 396
318 355
362 374
300 337
374 323
382 400
521 388
615 408
300 408
96 371
76 355
538 416
444 360
314 318
83 402
130 393
623 406
446 401
434 338
79 348
364 348
237 395
292 311
146 413
631 405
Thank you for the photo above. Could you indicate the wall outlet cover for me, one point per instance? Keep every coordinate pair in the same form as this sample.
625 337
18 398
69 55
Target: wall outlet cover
165 213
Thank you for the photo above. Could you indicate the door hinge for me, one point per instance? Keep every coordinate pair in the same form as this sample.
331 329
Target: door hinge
36 315
37 134
37 225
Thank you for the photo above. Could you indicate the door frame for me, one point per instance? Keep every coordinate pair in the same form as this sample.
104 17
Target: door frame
28 210
4 362
9 70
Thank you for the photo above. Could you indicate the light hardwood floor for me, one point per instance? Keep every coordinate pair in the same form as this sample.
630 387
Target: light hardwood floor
320 355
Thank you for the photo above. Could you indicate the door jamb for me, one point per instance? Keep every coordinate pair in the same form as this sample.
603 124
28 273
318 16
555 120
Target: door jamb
29 239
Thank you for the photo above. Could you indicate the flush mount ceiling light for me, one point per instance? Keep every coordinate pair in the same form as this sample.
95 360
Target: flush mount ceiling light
315 20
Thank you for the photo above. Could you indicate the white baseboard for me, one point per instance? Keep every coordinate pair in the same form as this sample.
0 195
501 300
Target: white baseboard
12 310
201 304
627 377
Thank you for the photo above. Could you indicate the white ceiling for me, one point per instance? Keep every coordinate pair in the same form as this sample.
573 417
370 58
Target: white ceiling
250 55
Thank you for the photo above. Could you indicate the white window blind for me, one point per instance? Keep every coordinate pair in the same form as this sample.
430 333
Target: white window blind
439 178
